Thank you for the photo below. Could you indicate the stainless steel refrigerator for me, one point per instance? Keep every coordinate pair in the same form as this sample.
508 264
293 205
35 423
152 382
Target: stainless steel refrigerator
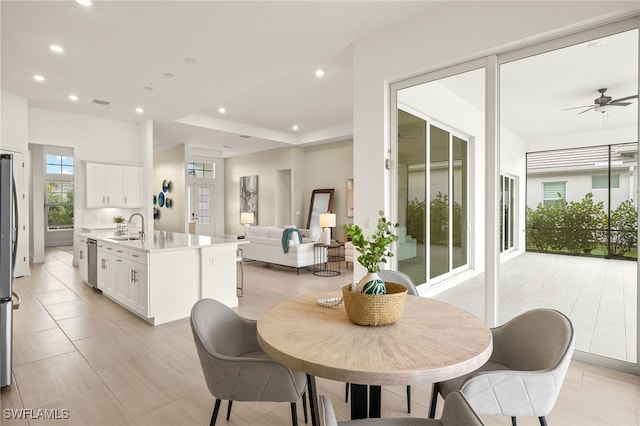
8 246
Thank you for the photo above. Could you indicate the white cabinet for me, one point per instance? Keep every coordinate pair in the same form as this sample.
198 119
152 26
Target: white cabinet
123 275
138 288
106 269
83 263
121 283
132 186
104 185
112 185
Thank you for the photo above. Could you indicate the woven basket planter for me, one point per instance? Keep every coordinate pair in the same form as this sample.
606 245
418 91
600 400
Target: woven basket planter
375 309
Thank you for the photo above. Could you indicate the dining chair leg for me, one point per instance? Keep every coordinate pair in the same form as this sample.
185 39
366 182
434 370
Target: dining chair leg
214 416
435 389
229 409
409 399
543 421
294 414
304 406
313 400
346 392
513 421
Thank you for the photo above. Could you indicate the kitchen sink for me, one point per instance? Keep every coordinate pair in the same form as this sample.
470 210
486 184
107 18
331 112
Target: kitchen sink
125 237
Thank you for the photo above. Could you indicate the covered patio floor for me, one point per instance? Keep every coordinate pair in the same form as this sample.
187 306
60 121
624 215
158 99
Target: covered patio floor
599 295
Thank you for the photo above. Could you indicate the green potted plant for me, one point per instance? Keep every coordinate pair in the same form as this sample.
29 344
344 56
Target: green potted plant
121 225
374 251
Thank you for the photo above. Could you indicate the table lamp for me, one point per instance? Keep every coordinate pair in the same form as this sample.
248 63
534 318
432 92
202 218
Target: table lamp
327 221
246 219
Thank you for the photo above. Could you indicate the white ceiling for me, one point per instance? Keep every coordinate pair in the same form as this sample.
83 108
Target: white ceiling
257 59
535 91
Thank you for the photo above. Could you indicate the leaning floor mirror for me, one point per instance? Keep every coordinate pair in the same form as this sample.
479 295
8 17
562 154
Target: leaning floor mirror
320 203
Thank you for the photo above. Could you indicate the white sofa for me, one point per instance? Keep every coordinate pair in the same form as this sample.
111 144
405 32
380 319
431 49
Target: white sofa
265 245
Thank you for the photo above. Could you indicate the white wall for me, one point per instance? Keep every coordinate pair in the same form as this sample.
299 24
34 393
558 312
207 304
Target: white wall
316 167
329 166
266 165
14 138
94 140
513 162
452 33
14 122
171 164
578 184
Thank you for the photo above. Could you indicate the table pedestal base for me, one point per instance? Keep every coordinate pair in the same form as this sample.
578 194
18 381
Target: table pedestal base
363 397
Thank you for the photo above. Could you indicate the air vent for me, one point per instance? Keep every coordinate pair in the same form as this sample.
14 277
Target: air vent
245 136
99 102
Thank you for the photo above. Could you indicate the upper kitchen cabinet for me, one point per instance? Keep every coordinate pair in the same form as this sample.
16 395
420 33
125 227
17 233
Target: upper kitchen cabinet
111 185
132 186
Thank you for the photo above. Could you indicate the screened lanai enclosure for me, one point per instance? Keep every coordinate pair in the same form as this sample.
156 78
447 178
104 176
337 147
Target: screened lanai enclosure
566 211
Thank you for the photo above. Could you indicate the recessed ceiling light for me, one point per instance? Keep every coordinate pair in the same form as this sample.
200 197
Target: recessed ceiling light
295 128
38 77
222 110
168 75
595 44
56 48
190 60
73 97
320 73
139 110
84 2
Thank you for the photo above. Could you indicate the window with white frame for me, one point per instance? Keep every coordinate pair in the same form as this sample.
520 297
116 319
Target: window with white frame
201 169
59 192
553 191
602 182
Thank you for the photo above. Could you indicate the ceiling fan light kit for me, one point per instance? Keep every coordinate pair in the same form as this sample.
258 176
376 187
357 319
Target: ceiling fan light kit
602 103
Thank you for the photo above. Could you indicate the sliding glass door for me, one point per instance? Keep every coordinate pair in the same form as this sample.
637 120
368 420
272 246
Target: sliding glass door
433 197
507 213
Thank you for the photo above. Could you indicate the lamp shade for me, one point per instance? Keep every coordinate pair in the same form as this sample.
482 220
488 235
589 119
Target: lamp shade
246 218
327 220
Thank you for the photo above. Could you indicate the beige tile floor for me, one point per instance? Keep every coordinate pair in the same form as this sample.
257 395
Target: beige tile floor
77 351
599 295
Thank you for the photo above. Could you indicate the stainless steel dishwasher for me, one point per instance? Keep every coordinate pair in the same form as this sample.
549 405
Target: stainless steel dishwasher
92 262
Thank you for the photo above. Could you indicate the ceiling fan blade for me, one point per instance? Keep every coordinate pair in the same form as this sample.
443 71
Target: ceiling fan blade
626 98
619 103
589 109
578 107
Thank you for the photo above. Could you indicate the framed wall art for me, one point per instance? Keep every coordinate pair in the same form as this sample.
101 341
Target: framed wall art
249 197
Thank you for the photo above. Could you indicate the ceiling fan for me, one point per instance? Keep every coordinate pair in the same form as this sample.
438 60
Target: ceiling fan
601 103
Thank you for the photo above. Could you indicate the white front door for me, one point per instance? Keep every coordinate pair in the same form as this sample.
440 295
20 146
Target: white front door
201 209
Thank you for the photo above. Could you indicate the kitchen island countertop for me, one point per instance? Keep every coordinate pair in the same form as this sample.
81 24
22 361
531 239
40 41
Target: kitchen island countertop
161 240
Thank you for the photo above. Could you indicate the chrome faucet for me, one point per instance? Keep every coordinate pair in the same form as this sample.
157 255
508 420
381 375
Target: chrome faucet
142 218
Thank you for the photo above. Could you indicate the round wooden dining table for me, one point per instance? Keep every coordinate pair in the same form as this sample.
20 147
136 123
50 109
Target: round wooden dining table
431 342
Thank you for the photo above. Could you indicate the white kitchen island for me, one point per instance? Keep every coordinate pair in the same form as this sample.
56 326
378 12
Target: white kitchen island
161 276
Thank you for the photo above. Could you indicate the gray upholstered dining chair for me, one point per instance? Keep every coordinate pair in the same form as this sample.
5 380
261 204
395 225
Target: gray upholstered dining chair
235 367
456 412
523 377
406 281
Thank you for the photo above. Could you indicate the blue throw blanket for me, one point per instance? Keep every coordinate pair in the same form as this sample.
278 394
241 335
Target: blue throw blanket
286 236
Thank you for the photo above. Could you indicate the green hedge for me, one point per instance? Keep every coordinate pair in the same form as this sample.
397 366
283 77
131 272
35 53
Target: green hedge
581 226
